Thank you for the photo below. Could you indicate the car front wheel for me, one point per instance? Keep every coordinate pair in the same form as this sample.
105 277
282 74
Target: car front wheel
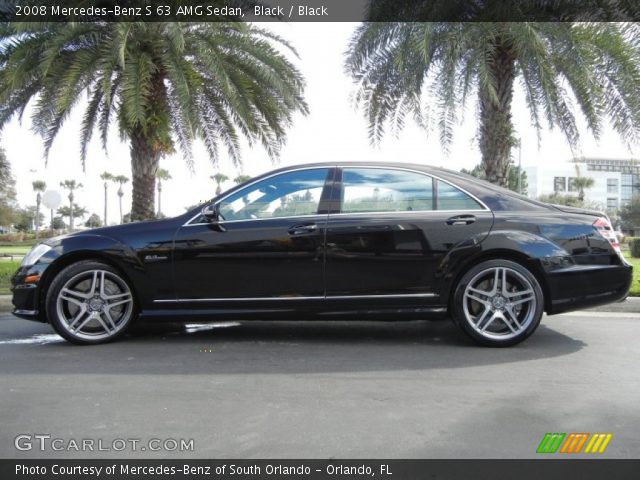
498 303
89 302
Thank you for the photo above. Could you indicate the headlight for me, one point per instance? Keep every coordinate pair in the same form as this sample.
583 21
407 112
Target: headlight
34 254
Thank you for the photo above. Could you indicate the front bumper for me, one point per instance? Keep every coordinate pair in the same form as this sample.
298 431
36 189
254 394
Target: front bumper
584 286
26 295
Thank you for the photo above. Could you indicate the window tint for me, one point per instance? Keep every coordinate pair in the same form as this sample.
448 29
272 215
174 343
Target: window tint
452 198
286 195
379 190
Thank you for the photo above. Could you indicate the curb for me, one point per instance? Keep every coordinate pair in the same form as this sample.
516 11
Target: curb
630 305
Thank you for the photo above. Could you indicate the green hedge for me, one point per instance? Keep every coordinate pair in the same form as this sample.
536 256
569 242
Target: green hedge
7 269
26 238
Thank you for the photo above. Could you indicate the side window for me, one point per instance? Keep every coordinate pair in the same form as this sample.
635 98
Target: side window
286 195
380 190
452 198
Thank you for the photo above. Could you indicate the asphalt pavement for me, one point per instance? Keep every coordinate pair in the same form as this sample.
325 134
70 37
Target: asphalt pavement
320 389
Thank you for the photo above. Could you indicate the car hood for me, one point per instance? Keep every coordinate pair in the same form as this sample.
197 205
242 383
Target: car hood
126 230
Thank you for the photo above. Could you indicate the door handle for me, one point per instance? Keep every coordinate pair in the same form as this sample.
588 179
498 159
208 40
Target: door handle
302 229
461 220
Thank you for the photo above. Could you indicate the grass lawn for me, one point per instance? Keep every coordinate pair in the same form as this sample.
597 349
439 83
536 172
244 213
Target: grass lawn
7 269
12 249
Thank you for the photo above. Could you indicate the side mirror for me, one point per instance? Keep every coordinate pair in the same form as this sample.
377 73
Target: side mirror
211 213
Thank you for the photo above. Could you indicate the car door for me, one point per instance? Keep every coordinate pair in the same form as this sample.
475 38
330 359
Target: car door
392 230
267 245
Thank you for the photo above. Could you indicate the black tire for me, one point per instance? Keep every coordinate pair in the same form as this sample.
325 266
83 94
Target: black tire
479 308
91 289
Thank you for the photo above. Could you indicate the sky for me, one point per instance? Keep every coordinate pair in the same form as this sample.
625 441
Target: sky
333 131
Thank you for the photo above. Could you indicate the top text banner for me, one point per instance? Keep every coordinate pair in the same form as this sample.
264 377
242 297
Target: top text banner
320 10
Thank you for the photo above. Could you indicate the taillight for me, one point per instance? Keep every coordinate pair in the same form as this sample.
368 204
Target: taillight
604 227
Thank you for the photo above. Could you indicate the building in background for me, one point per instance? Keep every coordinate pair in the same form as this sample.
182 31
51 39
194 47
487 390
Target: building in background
615 180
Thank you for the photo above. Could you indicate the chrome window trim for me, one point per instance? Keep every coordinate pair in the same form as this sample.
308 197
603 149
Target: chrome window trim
225 222
324 215
380 167
321 297
404 212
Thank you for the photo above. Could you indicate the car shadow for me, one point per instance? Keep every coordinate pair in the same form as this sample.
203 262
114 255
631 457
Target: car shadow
273 347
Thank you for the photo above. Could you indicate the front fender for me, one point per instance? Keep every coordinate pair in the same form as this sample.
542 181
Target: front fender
67 250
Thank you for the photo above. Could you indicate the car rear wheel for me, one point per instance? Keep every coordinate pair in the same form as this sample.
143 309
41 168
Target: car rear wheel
89 302
498 303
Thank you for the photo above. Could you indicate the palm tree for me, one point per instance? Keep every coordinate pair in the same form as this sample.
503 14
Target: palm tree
166 84
38 186
241 179
161 175
582 183
120 180
219 178
72 186
106 177
73 211
430 70
8 205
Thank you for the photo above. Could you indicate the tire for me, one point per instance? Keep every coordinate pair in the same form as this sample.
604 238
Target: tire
89 302
498 303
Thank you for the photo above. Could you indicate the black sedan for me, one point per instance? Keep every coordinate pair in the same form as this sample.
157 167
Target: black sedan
333 241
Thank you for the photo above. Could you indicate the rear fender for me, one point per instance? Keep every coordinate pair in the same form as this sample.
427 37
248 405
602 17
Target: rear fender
525 248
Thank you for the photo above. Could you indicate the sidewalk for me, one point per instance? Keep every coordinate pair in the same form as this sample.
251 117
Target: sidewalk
630 305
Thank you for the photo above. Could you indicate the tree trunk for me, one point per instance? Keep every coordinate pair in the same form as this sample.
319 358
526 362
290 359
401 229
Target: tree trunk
71 211
38 200
120 193
159 198
105 204
145 159
496 126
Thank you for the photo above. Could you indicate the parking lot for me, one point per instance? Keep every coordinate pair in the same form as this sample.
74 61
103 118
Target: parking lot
317 390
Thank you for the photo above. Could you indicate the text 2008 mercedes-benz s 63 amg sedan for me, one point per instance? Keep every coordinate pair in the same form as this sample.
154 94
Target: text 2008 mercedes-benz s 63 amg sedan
333 241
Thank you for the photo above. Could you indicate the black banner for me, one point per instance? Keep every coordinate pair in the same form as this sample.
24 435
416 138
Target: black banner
547 469
320 10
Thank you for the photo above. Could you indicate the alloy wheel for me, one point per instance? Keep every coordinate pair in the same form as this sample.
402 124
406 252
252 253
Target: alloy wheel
499 303
94 305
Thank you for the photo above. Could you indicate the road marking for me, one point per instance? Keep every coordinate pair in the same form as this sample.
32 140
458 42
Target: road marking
38 339
592 314
202 327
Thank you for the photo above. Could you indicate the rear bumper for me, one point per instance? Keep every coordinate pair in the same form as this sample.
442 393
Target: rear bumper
586 286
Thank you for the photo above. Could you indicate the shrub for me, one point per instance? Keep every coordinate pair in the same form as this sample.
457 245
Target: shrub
12 237
634 246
